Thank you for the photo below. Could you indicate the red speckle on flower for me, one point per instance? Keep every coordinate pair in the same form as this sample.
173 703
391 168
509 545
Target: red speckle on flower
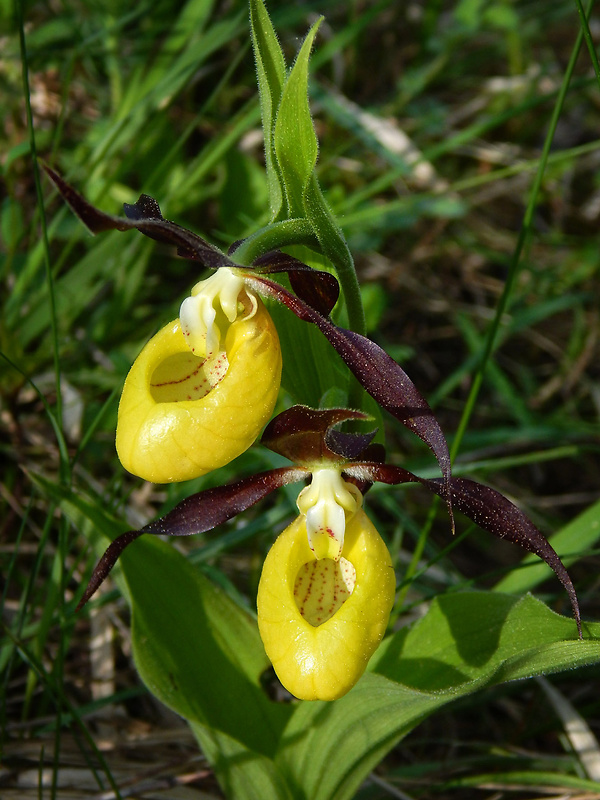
189 376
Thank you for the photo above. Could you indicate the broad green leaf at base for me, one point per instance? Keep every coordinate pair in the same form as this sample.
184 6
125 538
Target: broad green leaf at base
199 652
465 642
195 649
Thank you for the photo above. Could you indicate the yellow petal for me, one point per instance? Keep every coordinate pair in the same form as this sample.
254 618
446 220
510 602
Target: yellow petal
181 417
324 661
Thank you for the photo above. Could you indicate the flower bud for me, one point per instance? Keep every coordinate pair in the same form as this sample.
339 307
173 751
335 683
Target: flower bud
185 412
321 620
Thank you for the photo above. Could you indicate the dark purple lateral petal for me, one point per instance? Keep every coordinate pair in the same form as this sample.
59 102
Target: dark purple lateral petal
205 510
496 514
487 508
383 473
198 513
379 374
106 563
301 434
319 289
144 216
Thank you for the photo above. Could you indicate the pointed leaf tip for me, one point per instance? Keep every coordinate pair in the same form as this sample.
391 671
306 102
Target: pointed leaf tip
294 138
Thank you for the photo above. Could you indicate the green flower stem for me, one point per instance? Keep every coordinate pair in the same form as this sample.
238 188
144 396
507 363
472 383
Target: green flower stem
274 236
301 231
336 249
341 258
346 272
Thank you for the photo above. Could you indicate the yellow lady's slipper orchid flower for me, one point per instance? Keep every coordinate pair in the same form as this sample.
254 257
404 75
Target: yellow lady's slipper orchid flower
203 387
321 618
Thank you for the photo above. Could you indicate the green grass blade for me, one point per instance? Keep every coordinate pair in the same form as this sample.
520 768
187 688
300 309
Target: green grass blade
524 235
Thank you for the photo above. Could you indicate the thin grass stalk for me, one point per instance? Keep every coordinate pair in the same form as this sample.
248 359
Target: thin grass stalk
64 467
59 663
413 566
95 422
500 310
10 659
58 696
583 18
524 234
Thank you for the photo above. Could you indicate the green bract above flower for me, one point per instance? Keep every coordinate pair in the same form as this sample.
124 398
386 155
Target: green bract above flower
203 388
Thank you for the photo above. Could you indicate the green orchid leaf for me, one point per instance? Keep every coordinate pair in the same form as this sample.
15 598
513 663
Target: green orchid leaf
465 642
482 637
200 654
196 650
248 775
329 748
271 72
295 140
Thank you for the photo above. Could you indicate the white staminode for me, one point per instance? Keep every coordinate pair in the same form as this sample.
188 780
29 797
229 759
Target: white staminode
214 297
327 503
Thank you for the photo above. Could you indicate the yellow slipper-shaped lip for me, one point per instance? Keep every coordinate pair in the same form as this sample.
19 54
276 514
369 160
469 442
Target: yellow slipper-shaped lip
181 417
324 661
